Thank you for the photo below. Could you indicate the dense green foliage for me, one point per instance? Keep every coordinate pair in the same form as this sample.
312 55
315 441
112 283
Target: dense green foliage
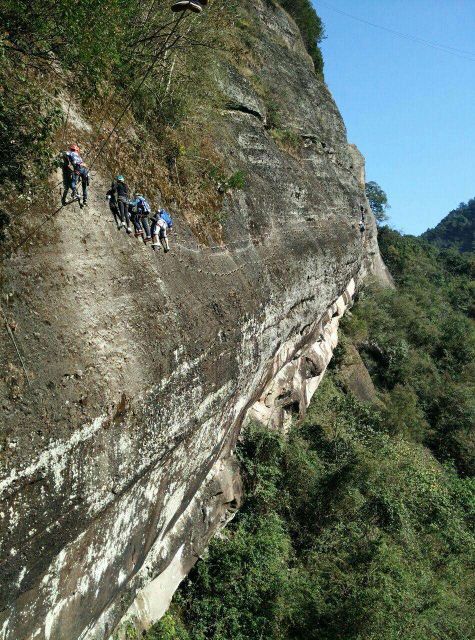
419 344
347 532
27 150
457 230
378 201
310 25
57 27
360 524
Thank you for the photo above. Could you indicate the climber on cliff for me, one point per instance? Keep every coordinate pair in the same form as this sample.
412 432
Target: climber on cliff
162 224
362 220
191 5
118 196
140 210
74 171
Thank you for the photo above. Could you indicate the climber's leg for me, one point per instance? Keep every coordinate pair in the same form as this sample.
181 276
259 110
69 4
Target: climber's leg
66 185
137 225
115 212
146 228
164 240
84 183
124 214
74 185
154 234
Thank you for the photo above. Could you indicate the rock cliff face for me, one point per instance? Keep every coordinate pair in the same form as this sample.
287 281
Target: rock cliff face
117 462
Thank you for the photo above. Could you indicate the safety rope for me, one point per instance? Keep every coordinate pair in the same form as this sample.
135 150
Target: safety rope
12 338
65 126
38 226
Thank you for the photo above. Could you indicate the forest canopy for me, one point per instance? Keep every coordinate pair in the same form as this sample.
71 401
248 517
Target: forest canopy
457 230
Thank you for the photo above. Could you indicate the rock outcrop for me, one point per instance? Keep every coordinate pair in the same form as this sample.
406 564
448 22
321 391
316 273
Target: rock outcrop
117 462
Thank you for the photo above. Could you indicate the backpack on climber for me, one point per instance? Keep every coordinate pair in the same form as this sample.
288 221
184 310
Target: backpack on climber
118 196
140 210
162 224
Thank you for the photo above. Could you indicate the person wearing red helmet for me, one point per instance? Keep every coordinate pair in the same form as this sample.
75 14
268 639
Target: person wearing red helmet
74 170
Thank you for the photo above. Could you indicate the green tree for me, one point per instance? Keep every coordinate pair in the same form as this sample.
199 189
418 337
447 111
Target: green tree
378 201
348 531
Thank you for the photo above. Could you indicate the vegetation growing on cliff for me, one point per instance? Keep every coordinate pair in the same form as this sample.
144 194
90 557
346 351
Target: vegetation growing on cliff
311 27
360 524
137 60
378 201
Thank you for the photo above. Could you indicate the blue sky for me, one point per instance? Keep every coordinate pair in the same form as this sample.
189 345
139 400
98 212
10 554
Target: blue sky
409 108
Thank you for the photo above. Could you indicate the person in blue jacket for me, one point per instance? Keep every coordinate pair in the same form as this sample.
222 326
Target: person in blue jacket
140 210
162 224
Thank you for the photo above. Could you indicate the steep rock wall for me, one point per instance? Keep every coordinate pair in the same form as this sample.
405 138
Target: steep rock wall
117 461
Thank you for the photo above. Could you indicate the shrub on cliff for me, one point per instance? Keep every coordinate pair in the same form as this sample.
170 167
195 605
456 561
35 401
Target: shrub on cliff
378 201
29 119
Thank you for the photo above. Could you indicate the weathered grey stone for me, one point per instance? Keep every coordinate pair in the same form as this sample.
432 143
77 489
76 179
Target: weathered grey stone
112 481
355 376
299 366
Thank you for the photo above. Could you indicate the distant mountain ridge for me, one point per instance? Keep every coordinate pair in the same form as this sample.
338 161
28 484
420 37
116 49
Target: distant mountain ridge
456 230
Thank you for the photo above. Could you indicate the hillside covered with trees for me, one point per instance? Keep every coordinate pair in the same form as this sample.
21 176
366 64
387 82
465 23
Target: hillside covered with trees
456 230
360 523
